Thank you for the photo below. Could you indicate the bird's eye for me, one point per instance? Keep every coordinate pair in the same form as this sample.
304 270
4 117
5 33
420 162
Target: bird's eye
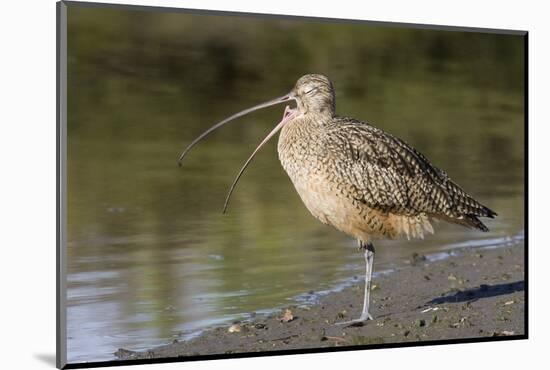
311 90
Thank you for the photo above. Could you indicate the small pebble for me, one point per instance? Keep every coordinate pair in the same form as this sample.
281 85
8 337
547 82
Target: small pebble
417 258
503 333
287 317
235 328
341 314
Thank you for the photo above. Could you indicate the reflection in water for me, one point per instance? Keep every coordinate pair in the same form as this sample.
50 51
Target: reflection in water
151 257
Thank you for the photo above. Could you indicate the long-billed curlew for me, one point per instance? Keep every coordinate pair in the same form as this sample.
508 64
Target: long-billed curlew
356 177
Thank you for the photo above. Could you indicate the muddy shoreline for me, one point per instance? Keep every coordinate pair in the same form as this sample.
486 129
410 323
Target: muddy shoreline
478 293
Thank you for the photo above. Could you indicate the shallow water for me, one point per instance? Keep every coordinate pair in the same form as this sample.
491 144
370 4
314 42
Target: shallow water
150 256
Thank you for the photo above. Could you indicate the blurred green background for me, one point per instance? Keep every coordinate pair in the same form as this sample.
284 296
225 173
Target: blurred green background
151 257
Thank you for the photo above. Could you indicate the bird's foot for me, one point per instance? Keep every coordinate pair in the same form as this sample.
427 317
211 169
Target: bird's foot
357 322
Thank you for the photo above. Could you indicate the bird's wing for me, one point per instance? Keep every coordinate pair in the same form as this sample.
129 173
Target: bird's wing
385 173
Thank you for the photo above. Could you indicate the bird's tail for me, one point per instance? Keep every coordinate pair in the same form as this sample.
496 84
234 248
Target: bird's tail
473 221
470 220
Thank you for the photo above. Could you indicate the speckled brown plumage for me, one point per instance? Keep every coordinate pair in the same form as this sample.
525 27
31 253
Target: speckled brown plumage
362 180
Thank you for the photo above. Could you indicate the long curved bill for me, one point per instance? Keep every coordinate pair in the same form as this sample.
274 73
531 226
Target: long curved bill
288 115
275 101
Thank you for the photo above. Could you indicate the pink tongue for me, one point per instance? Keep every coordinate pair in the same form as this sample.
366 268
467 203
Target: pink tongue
288 111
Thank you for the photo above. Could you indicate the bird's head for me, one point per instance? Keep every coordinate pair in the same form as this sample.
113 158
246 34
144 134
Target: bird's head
314 94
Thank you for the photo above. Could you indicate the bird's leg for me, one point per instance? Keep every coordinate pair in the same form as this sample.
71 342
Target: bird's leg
369 262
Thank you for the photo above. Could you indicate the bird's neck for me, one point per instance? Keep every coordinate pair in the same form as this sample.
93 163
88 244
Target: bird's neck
313 120
303 128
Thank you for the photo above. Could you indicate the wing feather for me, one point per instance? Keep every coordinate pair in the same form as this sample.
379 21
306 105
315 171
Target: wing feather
389 175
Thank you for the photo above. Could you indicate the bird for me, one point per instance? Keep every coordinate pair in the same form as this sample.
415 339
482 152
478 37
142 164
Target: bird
354 176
